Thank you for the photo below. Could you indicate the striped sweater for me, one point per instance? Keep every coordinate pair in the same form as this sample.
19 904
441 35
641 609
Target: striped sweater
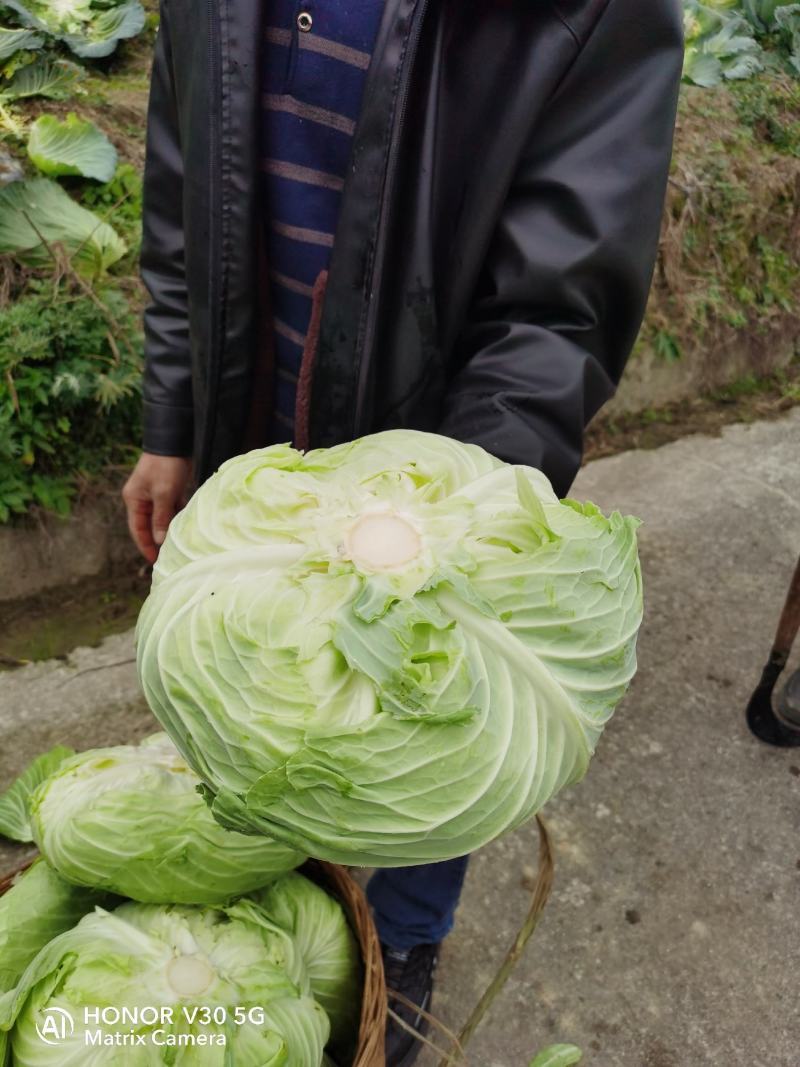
316 55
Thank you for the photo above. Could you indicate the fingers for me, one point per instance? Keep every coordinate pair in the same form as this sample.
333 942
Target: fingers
139 525
154 493
165 507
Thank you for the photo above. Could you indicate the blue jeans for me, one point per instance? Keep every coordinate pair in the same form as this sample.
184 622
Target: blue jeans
416 905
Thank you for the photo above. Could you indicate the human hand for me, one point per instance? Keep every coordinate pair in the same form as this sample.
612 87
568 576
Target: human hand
153 495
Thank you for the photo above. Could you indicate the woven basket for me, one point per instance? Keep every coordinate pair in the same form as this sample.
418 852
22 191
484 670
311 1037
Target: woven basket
372 1031
336 880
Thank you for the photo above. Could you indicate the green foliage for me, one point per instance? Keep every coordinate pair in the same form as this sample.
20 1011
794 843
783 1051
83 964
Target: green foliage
73 147
667 346
70 373
729 259
120 200
16 39
720 45
734 39
37 217
90 28
770 107
55 79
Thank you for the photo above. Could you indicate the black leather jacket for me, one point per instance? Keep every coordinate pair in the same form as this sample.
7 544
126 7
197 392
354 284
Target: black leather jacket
496 241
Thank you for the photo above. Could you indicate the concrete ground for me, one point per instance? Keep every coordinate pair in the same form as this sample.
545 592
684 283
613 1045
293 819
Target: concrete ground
672 936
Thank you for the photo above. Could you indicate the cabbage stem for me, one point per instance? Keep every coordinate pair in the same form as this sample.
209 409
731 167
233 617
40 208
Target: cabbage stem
382 541
189 975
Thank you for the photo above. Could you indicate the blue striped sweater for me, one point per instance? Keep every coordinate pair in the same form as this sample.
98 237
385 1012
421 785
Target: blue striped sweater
316 56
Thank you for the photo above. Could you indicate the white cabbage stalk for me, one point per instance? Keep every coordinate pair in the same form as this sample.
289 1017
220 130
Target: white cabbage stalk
176 958
129 819
391 651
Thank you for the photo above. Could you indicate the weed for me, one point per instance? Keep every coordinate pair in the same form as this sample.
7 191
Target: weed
70 381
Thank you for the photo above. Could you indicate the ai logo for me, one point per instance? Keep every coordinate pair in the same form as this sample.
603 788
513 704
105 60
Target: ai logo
56 1025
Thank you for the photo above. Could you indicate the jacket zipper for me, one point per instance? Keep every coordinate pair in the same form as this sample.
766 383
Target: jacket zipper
215 209
390 174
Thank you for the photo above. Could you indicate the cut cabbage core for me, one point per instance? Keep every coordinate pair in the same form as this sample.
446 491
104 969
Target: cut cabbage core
382 541
189 975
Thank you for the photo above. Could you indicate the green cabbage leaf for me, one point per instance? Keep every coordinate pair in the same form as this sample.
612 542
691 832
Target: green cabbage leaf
74 147
90 29
14 40
38 906
328 947
55 79
15 820
35 215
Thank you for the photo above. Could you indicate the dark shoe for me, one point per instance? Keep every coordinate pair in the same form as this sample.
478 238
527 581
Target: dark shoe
409 973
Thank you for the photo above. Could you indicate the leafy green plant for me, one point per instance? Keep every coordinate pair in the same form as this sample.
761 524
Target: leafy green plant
71 147
331 954
39 906
16 40
35 215
120 199
733 39
719 45
667 346
90 28
55 79
15 816
70 381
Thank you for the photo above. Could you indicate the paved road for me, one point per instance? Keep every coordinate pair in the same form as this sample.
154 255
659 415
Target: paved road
672 938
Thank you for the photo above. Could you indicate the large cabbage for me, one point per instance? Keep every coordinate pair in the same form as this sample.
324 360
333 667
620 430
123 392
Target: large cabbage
390 651
248 974
129 819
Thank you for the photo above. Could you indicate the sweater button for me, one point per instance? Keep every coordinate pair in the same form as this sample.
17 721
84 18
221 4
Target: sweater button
304 21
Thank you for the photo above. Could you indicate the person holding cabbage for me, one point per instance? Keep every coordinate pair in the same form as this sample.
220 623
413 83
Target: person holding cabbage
362 216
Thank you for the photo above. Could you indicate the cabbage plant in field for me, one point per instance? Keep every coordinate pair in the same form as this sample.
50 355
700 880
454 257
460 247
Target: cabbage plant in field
390 651
173 962
129 820
37 214
90 28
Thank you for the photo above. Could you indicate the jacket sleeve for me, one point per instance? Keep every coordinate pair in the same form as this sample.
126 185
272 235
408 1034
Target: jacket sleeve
564 286
168 418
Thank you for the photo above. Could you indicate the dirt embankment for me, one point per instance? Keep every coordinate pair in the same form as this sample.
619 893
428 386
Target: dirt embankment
725 302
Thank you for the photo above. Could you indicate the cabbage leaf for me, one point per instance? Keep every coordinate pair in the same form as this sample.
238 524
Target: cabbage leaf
74 146
16 40
15 820
38 906
38 213
329 949
55 79
91 30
